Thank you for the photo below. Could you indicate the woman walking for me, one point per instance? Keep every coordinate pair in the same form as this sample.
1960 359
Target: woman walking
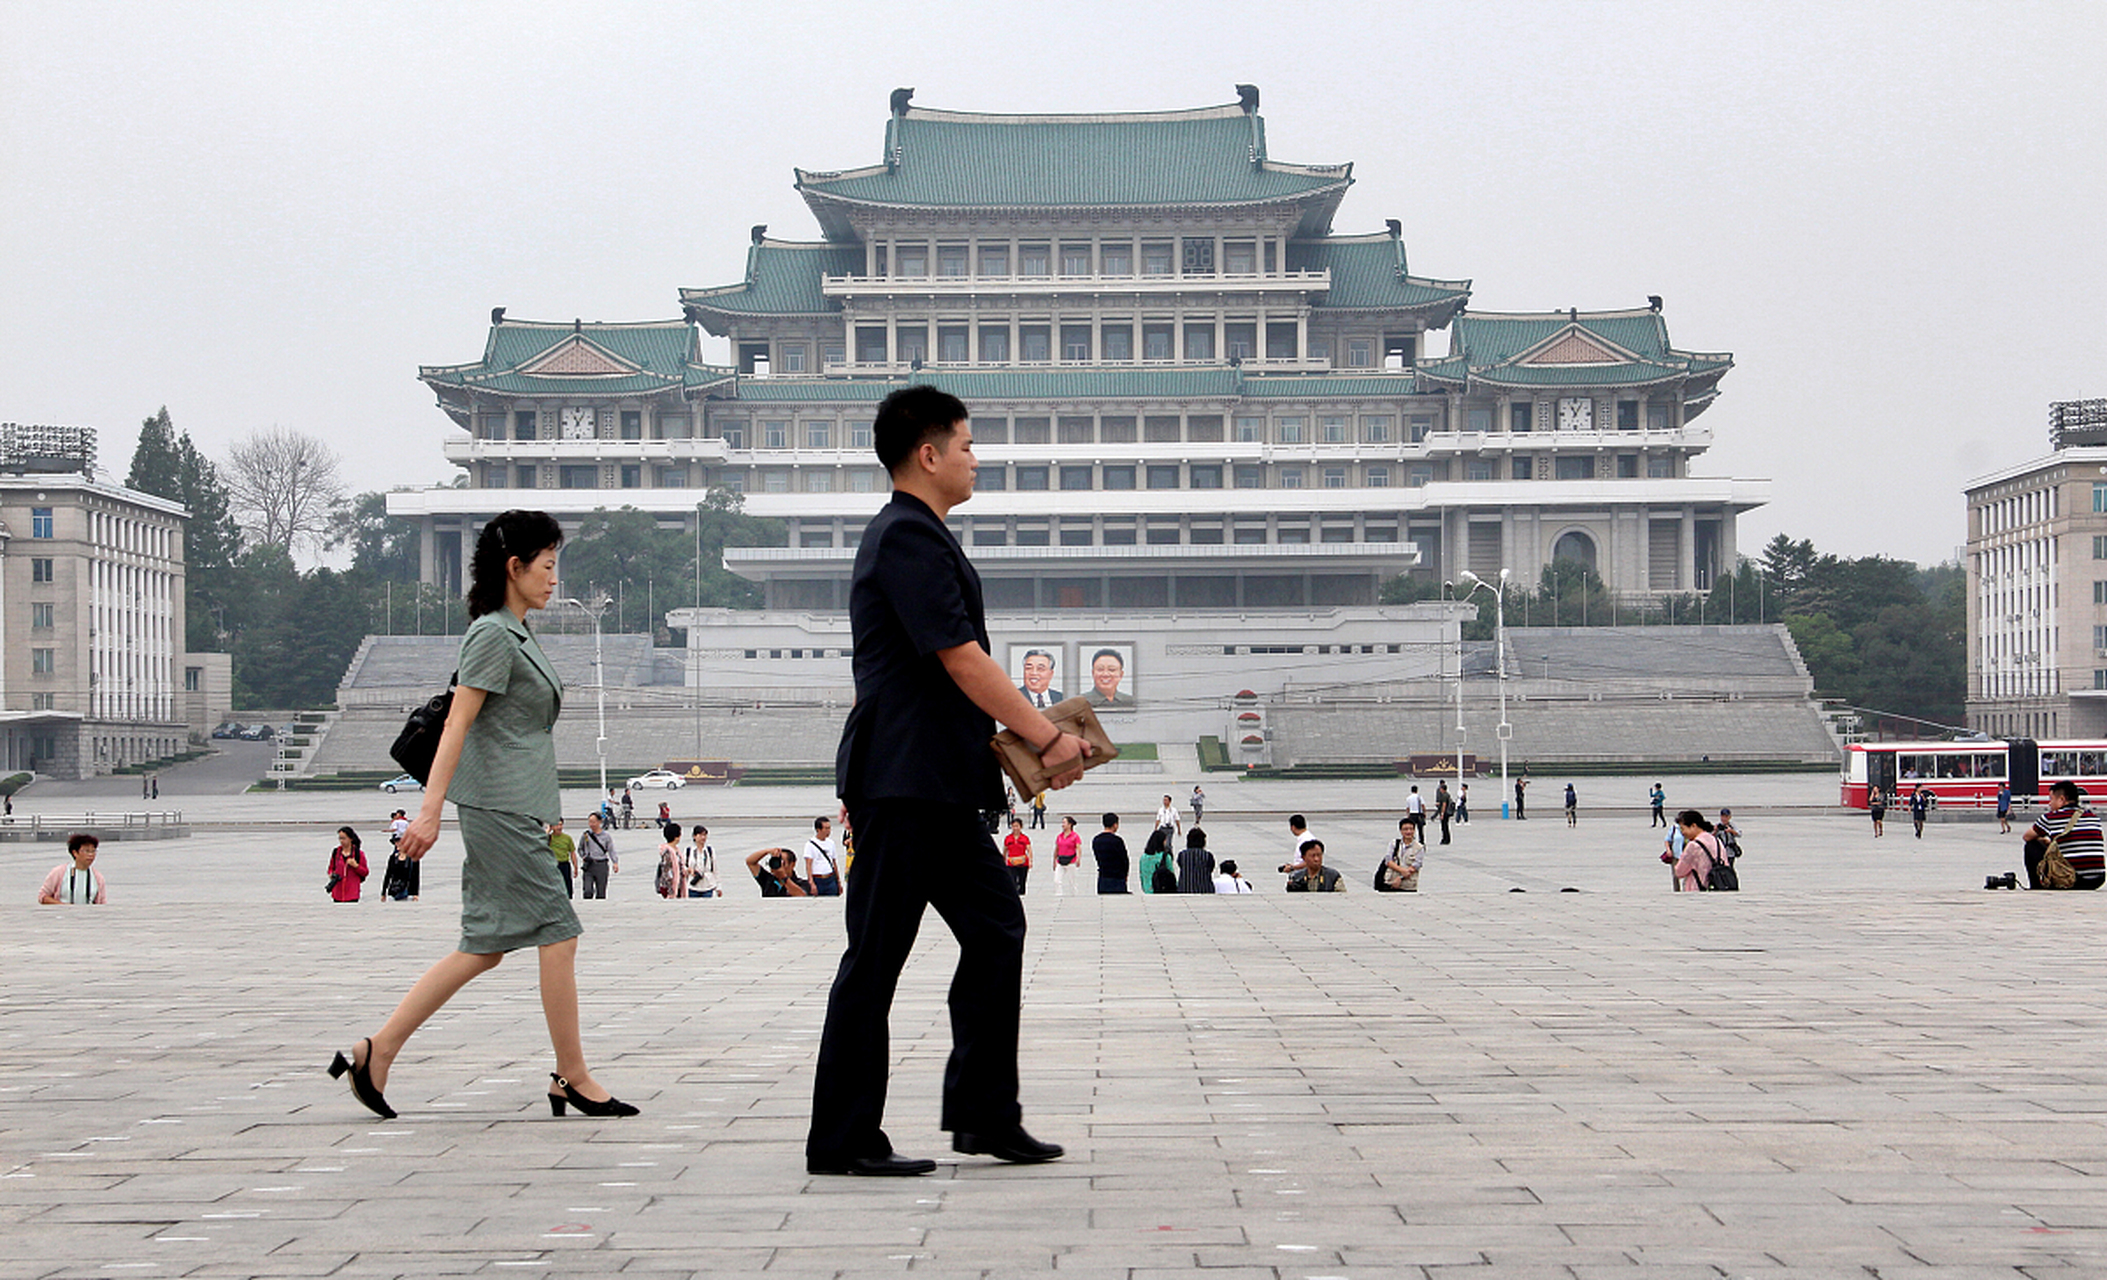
672 881
497 763
1693 868
1068 854
347 866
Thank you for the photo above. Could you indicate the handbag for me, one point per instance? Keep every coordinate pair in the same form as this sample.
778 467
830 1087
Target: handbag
2054 870
1070 715
418 744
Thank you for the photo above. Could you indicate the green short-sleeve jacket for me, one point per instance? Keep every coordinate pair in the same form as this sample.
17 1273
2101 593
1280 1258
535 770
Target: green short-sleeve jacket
508 762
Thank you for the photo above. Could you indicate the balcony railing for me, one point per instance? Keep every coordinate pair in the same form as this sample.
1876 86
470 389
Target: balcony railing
959 286
901 368
461 449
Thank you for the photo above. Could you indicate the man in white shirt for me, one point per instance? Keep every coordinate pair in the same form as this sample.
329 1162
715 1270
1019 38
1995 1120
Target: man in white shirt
822 859
1416 810
1298 828
1167 817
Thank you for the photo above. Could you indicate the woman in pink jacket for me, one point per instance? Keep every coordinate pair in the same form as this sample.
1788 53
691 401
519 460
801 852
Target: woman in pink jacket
347 866
1693 870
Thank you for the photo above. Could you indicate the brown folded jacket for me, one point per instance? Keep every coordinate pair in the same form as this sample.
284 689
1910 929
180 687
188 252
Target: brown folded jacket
1071 715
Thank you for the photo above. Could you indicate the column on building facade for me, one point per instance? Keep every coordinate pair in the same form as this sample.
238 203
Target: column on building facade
1686 571
425 564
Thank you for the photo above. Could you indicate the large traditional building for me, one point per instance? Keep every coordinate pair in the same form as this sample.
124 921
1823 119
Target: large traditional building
1210 427
2037 586
1188 390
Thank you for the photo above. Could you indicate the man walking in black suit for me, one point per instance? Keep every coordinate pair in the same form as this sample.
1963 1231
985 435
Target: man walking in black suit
915 771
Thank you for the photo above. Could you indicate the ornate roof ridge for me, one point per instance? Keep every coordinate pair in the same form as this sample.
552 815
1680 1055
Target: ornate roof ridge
938 115
1567 314
573 326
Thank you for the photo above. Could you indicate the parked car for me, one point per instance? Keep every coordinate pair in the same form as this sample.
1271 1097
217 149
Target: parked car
228 729
258 733
401 782
666 778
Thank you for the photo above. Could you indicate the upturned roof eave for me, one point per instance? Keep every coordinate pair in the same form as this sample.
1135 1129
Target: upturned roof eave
1296 199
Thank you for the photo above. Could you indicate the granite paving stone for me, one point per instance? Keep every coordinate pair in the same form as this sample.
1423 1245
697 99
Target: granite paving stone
1863 1065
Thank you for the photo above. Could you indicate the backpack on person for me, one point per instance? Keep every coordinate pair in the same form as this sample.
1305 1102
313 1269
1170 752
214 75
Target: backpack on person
1163 879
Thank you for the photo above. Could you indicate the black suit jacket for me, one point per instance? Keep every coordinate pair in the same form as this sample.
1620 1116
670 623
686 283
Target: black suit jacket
913 733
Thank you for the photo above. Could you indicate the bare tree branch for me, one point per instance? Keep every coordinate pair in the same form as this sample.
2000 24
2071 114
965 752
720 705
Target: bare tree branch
285 488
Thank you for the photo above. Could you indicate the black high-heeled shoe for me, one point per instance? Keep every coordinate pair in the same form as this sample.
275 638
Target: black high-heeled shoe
586 1106
362 1081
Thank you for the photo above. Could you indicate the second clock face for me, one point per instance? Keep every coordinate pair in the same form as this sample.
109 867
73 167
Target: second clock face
1576 414
578 423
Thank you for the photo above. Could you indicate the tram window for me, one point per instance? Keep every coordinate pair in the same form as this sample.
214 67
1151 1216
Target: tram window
2092 763
2058 764
1921 766
1990 765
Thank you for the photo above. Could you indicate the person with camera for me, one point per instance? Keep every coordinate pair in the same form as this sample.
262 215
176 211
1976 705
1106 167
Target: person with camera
775 873
496 761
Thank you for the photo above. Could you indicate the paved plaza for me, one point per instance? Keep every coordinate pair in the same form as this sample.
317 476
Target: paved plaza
1862 1065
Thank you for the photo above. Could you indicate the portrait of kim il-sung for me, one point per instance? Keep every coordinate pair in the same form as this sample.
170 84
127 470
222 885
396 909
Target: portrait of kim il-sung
1111 670
1036 668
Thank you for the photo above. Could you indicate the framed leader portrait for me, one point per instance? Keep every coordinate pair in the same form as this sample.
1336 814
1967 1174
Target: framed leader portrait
1039 668
1109 664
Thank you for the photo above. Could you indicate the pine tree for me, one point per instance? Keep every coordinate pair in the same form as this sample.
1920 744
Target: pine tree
155 467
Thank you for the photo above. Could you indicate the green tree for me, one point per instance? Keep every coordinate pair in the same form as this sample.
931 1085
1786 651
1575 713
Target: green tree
155 462
382 545
625 554
168 465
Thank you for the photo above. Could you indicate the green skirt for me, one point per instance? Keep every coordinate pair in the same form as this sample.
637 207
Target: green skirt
511 892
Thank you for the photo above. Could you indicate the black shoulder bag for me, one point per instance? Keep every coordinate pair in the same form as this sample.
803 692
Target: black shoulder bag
418 744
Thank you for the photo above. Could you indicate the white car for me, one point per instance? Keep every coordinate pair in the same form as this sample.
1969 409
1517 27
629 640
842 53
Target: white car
666 778
401 782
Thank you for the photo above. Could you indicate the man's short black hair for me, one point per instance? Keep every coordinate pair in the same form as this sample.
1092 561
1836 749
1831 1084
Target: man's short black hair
1297 820
1307 845
817 823
910 416
1111 819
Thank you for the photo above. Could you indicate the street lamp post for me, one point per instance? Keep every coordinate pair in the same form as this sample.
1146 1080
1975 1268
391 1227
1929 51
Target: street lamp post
593 611
1499 643
1447 592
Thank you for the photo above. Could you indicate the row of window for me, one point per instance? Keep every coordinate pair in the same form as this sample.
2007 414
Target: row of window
1287 429
1085 477
1162 256
1117 531
1201 339
581 423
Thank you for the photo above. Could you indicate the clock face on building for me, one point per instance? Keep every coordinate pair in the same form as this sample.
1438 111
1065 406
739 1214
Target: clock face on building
577 423
1576 414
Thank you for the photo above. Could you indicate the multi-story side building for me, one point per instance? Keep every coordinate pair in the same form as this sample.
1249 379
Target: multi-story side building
91 575
1189 391
2037 585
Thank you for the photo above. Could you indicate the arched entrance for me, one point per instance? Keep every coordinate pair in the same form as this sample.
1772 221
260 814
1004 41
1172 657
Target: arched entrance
1575 546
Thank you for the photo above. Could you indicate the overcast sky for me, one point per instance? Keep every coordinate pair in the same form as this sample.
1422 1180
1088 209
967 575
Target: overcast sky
272 214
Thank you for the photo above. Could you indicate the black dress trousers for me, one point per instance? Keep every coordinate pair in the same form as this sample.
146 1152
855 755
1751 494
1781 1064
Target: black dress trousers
912 854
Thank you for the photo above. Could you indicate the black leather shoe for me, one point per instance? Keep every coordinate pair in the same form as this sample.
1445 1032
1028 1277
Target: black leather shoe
1016 1146
887 1166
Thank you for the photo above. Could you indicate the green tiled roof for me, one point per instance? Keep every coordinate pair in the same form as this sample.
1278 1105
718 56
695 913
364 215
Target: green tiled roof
1299 385
1493 349
653 356
782 278
1368 273
954 159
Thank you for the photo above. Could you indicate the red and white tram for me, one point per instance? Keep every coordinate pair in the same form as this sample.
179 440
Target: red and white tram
1967 774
